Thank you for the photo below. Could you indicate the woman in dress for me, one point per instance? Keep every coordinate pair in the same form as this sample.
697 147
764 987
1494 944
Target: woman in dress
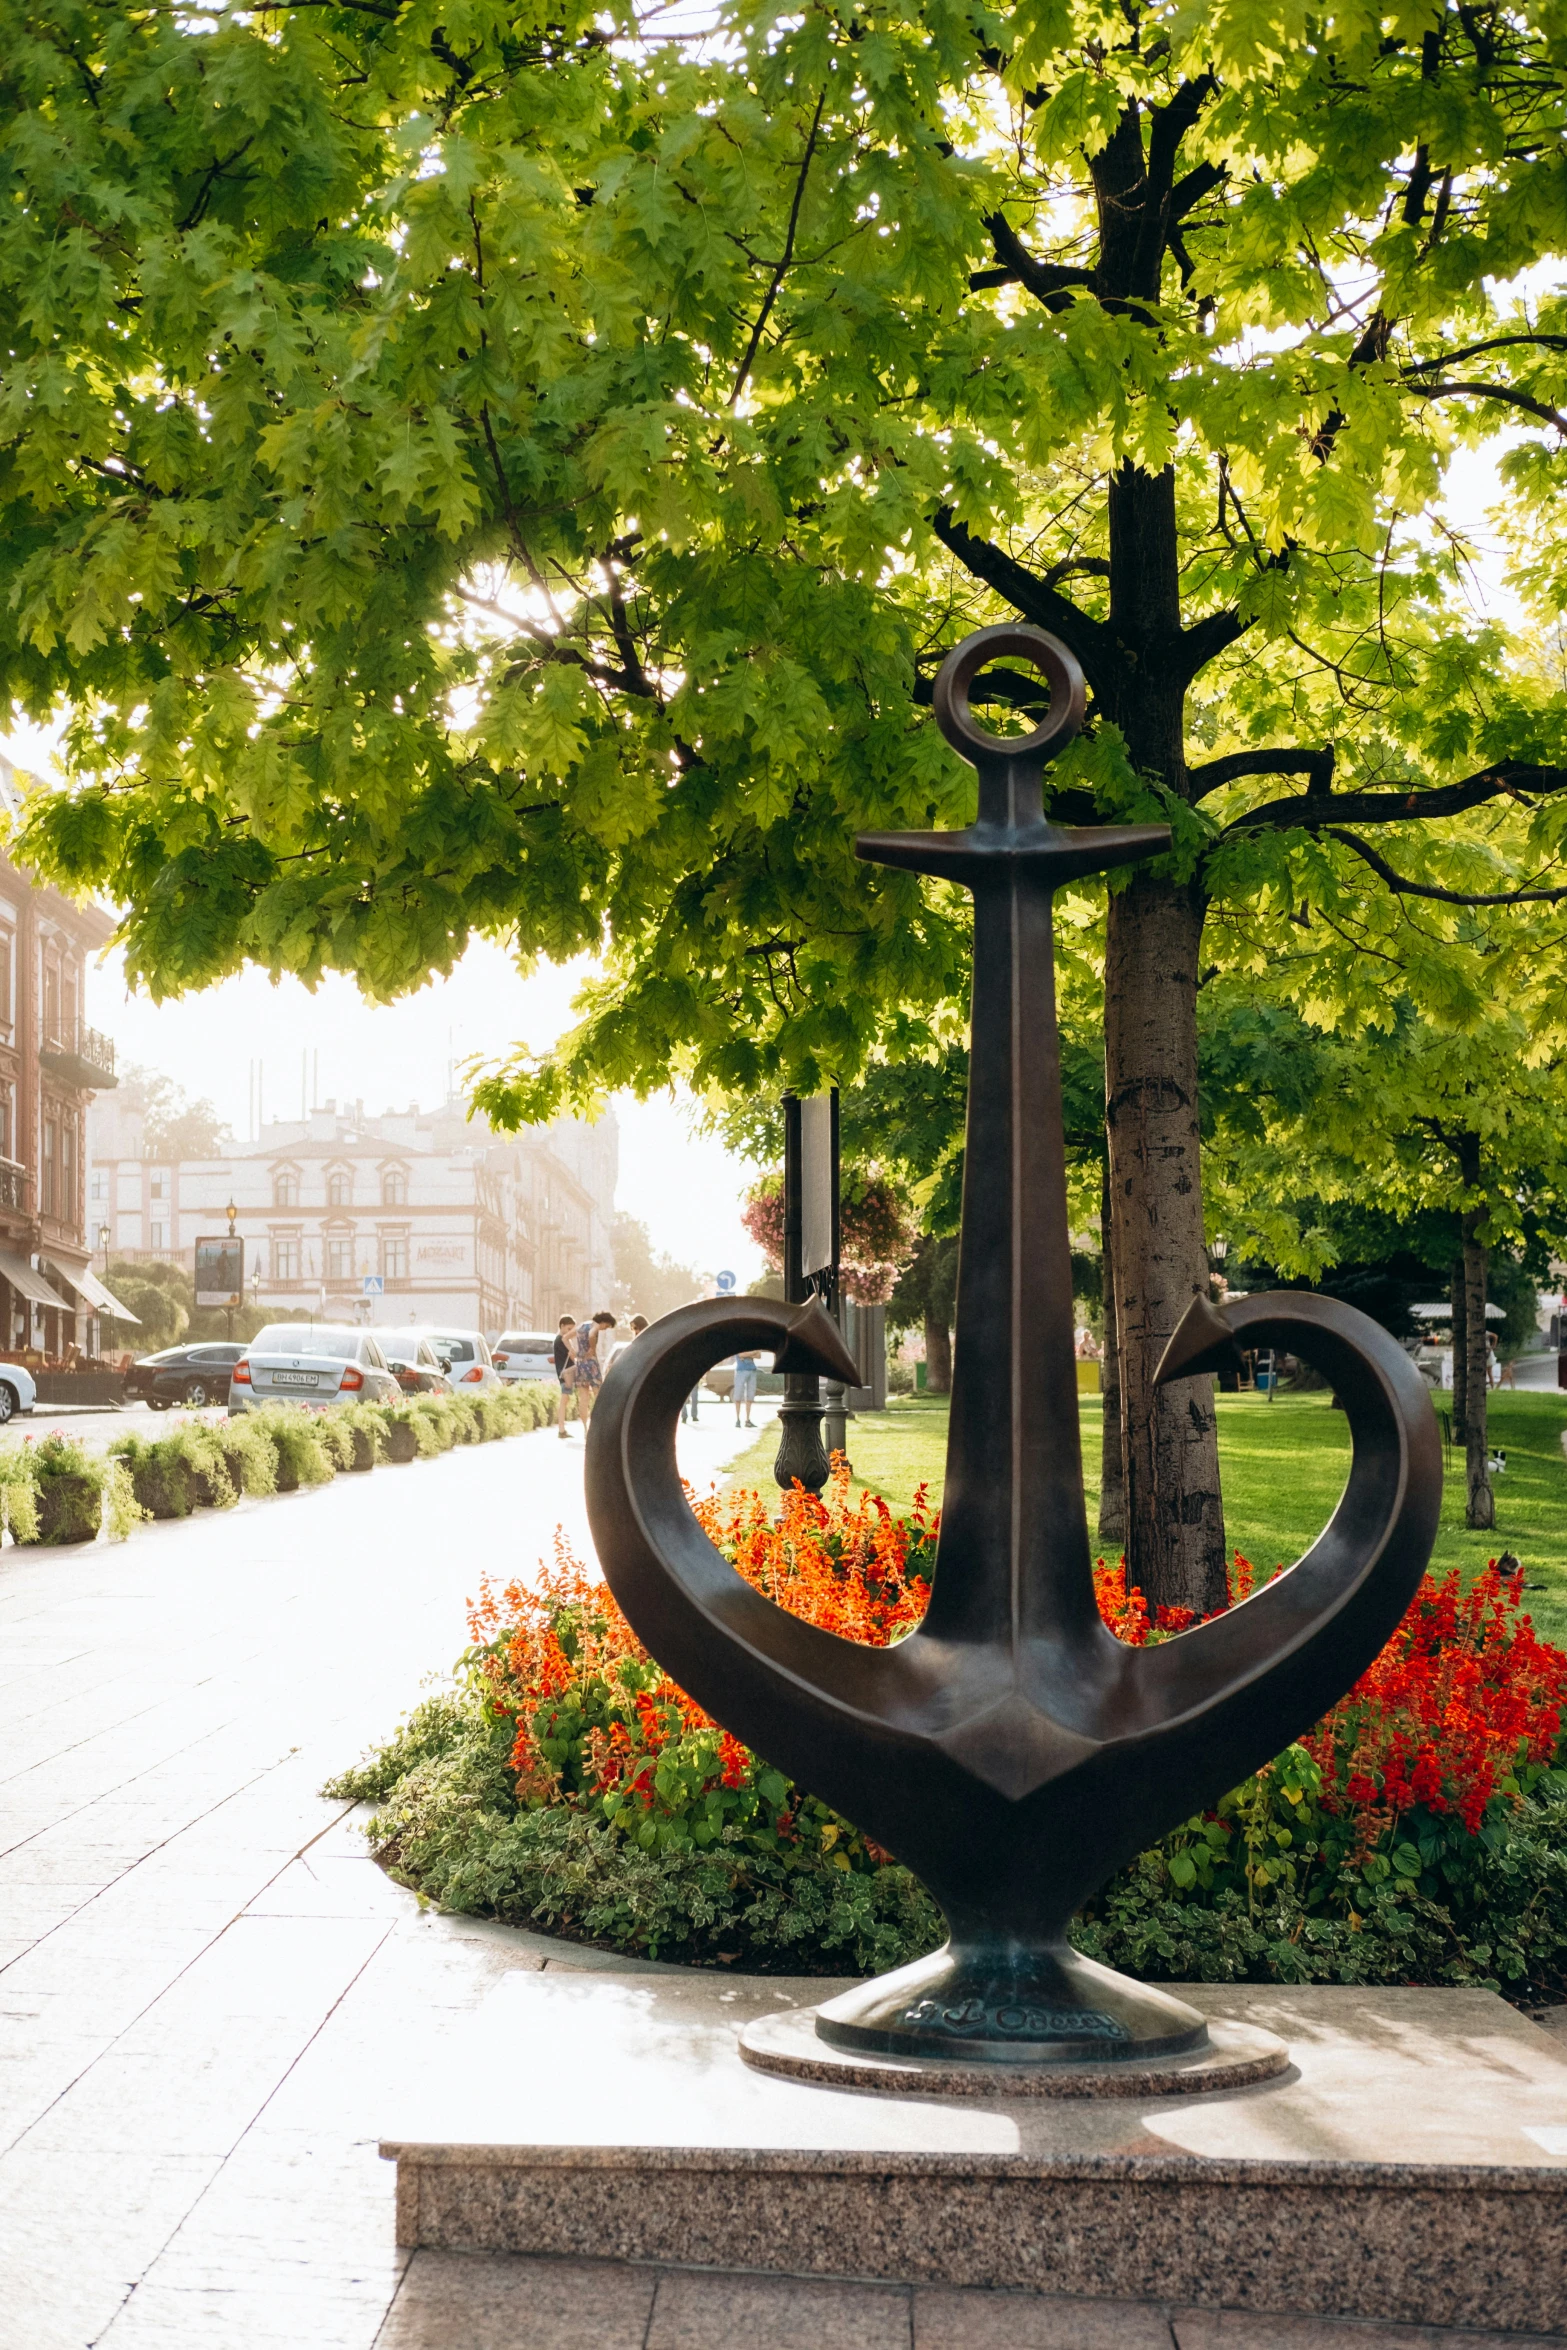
587 1371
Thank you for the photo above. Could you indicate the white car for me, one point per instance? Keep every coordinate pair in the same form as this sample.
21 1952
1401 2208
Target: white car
18 1392
525 1354
467 1352
314 1364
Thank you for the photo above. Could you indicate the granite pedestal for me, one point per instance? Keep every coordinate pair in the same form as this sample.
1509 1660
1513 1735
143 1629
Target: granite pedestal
1410 2164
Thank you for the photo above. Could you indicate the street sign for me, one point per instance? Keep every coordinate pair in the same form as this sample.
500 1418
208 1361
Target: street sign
373 1285
220 1272
724 1283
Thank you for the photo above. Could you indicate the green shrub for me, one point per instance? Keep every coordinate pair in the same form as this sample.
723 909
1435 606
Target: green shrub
336 1437
79 1492
249 1453
162 1476
434 1413
450 1827
411 1434
366 1425
213 1478
18 1492
302 1458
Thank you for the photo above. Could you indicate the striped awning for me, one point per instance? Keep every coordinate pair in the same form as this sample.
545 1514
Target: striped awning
31 1284
98 1295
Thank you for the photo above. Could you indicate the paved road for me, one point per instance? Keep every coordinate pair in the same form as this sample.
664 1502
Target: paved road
206 1988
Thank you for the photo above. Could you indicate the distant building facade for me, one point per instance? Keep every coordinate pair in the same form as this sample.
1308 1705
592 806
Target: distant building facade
51 1066
414 1216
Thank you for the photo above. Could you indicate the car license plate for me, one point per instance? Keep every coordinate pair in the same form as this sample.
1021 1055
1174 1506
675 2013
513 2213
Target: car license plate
294 1379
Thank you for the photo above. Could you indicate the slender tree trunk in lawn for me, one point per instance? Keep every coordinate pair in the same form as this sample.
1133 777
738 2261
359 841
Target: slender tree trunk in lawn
1460 1355
1112 1459
938 1355
1480 1506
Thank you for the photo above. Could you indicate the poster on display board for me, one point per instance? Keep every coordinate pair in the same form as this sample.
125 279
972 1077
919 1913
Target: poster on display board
220 1272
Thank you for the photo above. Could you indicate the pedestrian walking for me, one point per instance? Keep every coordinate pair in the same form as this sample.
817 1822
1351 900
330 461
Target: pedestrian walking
745 1386
587 1371
563 1371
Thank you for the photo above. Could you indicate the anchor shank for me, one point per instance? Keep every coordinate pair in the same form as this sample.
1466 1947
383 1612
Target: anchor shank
1014 1541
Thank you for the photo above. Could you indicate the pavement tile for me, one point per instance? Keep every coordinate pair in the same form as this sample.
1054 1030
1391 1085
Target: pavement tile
696 2310
1241 2329
954 2320
482 2301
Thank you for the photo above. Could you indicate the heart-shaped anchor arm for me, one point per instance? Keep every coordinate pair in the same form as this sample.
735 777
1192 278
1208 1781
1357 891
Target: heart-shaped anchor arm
827 1710
1249 1681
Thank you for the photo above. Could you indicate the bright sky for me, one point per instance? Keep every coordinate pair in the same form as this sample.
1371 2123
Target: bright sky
685 1188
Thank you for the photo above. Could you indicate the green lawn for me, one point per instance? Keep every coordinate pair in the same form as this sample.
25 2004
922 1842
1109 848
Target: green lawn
1284 1465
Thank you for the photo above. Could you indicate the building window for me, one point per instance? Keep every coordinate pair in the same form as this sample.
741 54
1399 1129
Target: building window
67 1209
394 1256
7 1119
159 1188
339 1190
285 1191
51 1164
394 1188
7 948
51 1003
156 1238
285 1260
340 1257
100 1186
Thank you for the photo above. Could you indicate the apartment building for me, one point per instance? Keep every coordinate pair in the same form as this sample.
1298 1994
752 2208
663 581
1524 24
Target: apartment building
412 1216
52 1064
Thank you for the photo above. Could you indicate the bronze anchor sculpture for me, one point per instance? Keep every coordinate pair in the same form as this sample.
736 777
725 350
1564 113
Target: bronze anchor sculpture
1012 1751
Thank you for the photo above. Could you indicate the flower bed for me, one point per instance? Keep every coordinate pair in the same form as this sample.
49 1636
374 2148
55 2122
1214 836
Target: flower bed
54 1491
1418 1834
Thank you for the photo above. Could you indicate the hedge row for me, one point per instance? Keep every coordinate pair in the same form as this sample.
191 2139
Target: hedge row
55 1491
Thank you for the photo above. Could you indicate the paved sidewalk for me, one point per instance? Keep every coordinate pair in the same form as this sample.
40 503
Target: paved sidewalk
207 1989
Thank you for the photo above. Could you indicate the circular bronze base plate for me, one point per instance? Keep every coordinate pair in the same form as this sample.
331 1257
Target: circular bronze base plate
1237 2057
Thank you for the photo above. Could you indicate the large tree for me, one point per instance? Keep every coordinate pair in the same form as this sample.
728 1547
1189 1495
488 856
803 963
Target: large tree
467 471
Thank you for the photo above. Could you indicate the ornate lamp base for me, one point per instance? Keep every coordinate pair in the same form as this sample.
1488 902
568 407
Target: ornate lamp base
1010 2003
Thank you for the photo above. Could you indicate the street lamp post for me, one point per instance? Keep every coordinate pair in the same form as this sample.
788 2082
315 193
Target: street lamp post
801 1455
103 1243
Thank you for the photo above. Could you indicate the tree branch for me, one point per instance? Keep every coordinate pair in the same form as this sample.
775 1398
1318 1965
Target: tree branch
1503 392
1028 594
1316 765
1509 779
1048 281
1478 351
785 260
1406 888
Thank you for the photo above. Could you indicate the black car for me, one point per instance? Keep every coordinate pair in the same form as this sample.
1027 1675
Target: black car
419 1369
183 1374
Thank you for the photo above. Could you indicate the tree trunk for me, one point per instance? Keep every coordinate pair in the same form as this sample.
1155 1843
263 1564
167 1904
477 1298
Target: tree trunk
938 1355
1174 1516
1460 1355
1112 1458
1480 1507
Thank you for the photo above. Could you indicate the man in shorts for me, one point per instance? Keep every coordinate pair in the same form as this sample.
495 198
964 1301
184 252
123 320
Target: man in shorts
563 1355
745 1386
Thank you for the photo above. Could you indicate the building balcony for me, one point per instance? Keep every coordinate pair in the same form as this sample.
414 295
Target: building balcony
14 1179
81 1056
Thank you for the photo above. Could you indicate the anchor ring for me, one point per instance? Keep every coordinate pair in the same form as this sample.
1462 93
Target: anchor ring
1068 693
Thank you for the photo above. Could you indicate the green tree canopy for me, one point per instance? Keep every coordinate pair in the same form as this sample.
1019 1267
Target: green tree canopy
472 470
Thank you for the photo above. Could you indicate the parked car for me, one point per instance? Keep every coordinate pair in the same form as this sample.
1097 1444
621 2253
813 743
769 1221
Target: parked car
524 1354
465 1352
183 1374
18 1391
315 1364
414 1364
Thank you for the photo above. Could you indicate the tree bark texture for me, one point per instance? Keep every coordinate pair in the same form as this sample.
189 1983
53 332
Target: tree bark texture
1480 1504
938 1355
1112 1457
1460 1355
1174 1515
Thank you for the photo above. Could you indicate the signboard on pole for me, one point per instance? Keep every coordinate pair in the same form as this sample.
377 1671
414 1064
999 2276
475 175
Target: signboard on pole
220 1272
816 1185
373 1285
724 1283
